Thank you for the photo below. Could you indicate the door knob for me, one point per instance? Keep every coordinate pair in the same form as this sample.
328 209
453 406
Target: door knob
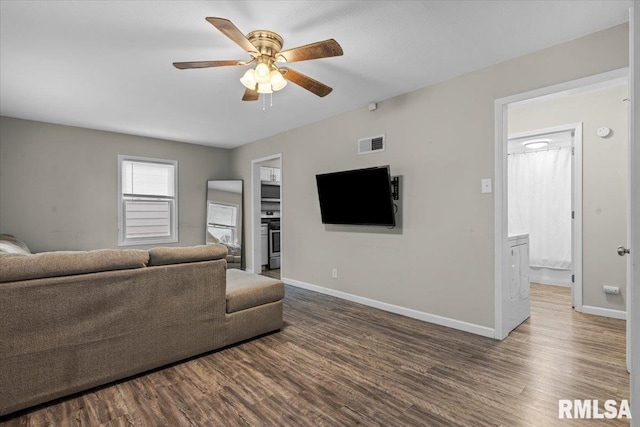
622 251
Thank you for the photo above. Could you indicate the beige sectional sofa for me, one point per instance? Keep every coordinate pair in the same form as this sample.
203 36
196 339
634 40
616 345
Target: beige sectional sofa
70 321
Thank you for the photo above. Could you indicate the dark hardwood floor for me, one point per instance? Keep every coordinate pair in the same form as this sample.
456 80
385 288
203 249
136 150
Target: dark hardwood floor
274 274
337 363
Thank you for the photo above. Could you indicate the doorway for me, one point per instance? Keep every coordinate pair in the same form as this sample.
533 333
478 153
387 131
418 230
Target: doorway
266 216
503 105
545 200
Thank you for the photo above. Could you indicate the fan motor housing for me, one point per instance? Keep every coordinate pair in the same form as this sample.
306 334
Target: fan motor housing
267 42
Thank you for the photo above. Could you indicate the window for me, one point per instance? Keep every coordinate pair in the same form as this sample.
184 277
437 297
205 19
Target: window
148 200
222 222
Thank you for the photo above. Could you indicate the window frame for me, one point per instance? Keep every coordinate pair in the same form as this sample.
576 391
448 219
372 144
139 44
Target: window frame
173 210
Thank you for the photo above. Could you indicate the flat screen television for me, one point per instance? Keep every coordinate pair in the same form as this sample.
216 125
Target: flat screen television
359 197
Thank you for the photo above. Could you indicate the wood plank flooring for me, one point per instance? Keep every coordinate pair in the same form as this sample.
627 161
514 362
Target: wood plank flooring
274 274
337 363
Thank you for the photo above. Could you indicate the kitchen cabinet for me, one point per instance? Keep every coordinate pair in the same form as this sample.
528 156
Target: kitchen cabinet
270 174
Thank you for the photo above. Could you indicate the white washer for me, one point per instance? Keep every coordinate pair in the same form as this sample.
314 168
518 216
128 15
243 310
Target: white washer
516 304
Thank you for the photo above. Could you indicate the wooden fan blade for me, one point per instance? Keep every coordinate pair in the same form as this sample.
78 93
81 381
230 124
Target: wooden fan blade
306 82
227 28
206 64
250 95
324 49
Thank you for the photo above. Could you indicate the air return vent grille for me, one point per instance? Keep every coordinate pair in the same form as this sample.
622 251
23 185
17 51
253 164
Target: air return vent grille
371 145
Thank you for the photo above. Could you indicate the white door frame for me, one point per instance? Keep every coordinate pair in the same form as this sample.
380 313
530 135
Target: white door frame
576 201
633 278
256 267
501 247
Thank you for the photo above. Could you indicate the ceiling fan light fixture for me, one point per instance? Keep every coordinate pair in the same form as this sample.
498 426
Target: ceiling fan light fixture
264 88
262 73
249 79
265 48
277 81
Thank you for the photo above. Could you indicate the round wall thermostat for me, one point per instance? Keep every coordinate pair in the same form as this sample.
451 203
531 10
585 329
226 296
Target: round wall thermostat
603 132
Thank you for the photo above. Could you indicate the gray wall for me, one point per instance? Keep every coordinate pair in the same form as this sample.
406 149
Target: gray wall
58 184
441 140
604 178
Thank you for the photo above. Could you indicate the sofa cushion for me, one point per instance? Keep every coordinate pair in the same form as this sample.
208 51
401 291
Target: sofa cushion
246 290
16 267
10 244
177 255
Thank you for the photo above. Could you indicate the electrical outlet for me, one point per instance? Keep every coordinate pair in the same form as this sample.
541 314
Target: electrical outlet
334 273
613 290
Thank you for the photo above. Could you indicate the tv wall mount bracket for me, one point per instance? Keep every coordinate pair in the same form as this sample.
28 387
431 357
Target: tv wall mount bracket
395 187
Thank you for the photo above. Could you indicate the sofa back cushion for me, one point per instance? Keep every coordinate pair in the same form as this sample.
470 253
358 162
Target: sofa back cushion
177 255
16 267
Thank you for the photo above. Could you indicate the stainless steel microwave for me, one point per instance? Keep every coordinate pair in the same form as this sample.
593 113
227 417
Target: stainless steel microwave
270 192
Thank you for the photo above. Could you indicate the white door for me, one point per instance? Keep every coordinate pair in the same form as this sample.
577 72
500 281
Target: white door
633 282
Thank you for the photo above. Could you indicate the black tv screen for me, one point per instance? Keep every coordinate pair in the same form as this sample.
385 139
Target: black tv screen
360 197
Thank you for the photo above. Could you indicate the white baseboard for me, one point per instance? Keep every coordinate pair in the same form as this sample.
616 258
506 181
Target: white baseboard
408 312
606 312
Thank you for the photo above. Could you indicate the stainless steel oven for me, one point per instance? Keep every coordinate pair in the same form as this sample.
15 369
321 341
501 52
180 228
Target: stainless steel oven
274 244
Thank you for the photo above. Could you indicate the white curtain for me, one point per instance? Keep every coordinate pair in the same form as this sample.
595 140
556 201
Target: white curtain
540 204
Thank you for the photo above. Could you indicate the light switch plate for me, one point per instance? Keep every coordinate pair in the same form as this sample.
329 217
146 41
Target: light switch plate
486 185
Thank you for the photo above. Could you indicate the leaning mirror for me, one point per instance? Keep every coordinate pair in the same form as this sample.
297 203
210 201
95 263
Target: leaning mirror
224 218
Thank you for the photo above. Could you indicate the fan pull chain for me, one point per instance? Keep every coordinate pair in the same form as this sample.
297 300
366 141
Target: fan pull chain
264 101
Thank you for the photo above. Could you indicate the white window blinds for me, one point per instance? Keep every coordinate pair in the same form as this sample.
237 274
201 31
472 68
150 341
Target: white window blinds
222 222
151 179
148 201
222 214
147 218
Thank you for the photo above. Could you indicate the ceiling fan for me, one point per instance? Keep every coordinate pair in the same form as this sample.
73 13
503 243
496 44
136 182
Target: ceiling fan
265 49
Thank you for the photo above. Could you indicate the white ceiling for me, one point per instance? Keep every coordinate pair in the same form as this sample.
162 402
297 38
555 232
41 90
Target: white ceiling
107 64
